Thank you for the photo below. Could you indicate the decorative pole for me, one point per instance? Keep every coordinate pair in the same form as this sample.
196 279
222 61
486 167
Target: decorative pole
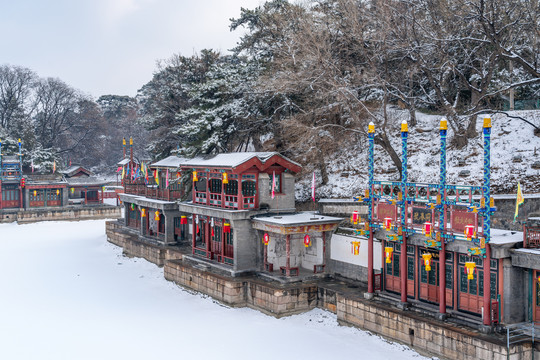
442 221
20 154
403 204
124 147
131 157
0 153
371 138
487 220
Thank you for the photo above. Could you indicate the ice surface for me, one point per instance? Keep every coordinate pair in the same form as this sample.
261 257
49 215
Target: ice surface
69 294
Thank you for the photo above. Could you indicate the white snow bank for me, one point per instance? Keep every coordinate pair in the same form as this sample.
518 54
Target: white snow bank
68 294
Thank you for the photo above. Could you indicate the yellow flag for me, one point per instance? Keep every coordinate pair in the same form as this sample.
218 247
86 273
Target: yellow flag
519 200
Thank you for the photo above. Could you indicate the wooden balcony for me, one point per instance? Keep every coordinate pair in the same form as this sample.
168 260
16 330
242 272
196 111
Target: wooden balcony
531 237
153 192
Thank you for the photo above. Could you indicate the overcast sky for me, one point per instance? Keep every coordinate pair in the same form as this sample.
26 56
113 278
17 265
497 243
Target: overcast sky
111 46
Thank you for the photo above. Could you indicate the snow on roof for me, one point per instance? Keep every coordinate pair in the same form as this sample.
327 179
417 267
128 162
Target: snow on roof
297 219
172 161
499 236
85 181
232 159
530 251
72 170
126 161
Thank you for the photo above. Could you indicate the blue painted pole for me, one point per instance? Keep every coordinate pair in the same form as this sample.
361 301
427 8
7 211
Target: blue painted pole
442 219
403 205
487 219
371 138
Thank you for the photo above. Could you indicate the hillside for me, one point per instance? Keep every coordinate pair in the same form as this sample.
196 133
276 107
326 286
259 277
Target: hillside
514 150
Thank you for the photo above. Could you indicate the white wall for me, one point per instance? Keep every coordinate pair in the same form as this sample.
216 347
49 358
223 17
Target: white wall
341 250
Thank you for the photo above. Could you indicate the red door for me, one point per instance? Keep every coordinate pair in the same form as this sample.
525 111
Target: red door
429 282
536 312
10 197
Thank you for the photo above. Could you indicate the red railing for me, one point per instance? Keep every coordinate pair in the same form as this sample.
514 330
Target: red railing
152 192
531 237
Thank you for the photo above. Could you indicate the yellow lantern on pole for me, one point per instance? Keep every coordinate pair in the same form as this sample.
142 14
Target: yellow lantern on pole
469 267
427 261
388 254
355 247
225 178
57 192
35 193
195 178
156 215
143 212
72 190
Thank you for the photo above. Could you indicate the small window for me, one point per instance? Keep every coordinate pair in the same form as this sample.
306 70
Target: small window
215 186
231 188
248 188
278 183
201 185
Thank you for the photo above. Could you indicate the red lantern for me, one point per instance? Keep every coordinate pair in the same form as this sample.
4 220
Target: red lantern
469 232
427 229
387 223
183 220
355 217
227 228
266 239
307 240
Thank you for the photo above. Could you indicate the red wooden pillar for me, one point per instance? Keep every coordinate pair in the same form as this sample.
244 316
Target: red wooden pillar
288 249
102 194
324 247
193 233
442 278
222 239
403 269
487 287
240 195
1 194
20 197
208 238
85 196
370 261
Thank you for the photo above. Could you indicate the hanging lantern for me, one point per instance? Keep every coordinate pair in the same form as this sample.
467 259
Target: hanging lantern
266 239
183 220
225 178
388 254
307 240
355 216
35 193
355 249
212 226
538 279
156 215
469 232
227 228
143 212
195 178
72 190
197 223
469 268
132 206
427 261
427 229
387 223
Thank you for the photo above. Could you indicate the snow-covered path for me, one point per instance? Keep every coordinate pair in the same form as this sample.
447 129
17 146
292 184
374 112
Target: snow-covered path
66 293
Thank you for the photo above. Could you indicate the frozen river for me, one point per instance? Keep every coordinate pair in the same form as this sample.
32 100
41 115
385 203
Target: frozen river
66 293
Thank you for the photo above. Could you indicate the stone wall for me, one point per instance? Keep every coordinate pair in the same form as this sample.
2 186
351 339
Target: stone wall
62 214
422 333
129 241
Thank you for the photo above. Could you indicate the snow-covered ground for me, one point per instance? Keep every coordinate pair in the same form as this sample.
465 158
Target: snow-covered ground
514 149
66 293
